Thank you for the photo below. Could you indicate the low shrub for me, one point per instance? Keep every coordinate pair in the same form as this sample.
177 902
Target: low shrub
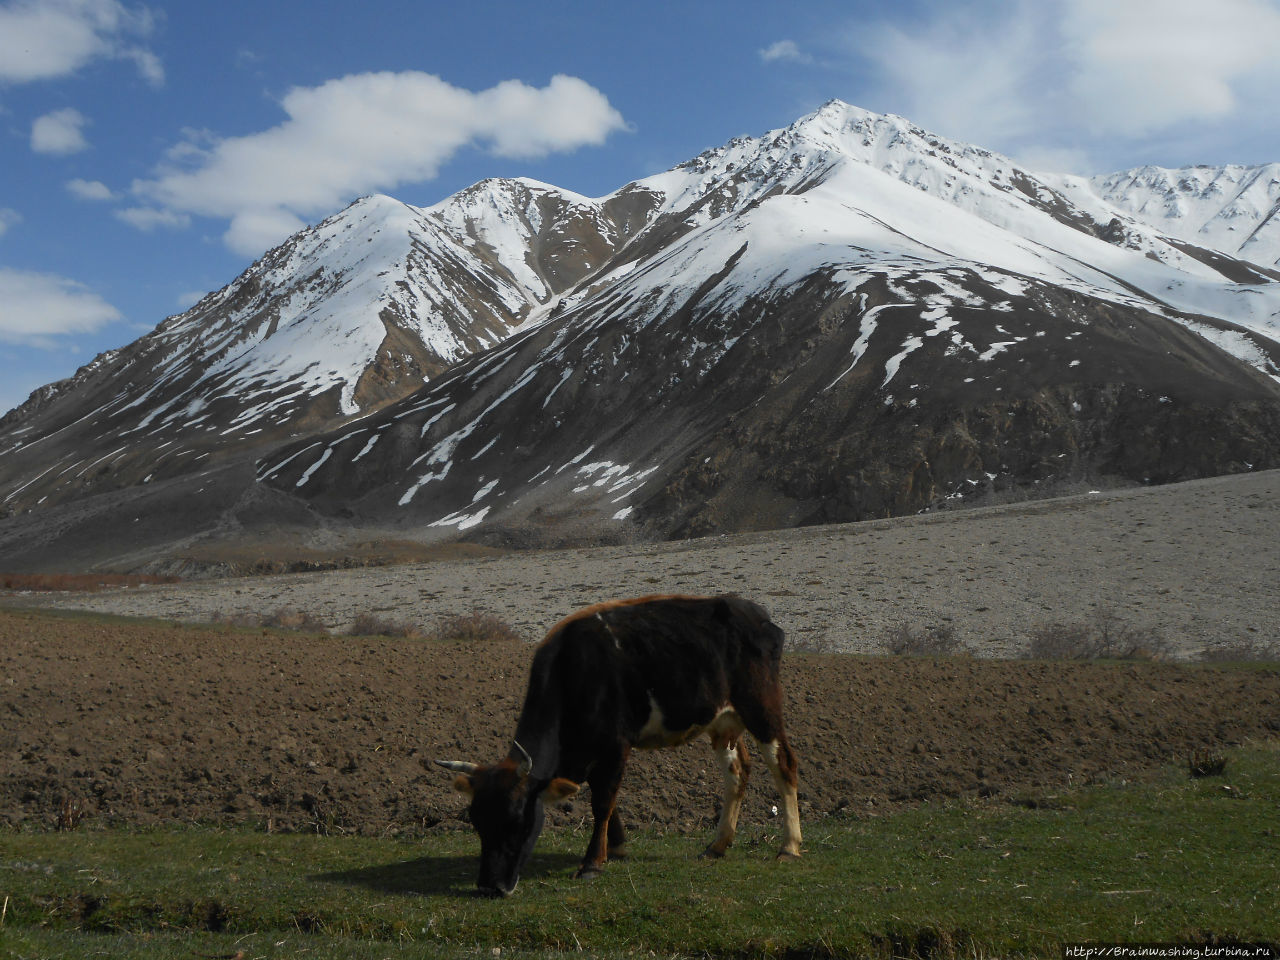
1206 763
816 642
936 641
1105 637
242 620
372 625
1060 641
474 627
70 814
285 618
1120 640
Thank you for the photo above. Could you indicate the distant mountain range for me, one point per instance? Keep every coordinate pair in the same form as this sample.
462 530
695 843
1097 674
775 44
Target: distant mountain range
846 318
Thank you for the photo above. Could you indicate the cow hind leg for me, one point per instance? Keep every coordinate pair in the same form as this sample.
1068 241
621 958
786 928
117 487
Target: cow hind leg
617 837
782 764
731 751
760 705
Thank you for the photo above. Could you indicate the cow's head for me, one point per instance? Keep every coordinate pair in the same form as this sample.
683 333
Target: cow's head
506 810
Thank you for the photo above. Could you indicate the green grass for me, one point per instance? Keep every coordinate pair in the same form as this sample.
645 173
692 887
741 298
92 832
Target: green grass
1166 859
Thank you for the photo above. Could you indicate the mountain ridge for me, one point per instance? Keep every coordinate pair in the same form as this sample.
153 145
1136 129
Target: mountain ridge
520 355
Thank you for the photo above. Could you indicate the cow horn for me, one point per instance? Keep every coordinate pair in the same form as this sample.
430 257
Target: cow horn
458 766
526 765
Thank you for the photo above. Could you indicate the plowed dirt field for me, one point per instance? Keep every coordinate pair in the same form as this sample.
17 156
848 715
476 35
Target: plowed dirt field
144 722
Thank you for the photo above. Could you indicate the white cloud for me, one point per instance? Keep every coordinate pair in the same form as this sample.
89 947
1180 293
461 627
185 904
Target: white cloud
1147 64
148 218
36 307
253 231
360 134
784 50
148 64
966 73
45 39
89 189
8 218
189 298
59 133
1073 160
1078 78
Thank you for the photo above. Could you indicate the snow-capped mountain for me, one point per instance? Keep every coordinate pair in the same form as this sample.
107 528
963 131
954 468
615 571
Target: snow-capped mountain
1231 209
344 317
847 317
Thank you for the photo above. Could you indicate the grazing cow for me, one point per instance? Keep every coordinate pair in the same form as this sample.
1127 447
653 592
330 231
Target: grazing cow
651 672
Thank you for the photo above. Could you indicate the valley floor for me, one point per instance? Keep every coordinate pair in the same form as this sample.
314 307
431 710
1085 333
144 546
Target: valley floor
1199 562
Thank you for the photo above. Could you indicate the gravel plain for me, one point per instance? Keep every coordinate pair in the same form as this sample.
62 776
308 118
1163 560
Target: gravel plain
1199 562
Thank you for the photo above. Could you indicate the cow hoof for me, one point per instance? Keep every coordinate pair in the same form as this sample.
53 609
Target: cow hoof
617 853
588 872
711 853
787 855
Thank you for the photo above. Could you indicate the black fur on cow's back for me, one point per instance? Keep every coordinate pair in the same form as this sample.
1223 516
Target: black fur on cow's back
598 673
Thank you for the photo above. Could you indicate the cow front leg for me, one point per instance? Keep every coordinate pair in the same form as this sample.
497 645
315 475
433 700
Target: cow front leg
605 778
735 765
782 764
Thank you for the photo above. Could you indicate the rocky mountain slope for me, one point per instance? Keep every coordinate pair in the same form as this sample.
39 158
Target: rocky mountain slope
846 318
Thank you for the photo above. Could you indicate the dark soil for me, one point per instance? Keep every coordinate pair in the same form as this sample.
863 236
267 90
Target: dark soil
143 722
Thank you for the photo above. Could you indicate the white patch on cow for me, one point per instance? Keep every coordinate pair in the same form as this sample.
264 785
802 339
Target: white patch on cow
726 721
731 798
609 630
770 751
656 734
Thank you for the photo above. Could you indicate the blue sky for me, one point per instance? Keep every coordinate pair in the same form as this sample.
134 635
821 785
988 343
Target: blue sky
151 151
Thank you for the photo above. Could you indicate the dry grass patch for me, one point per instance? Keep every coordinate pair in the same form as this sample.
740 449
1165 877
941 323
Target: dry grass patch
1240 651
77 582
1206 763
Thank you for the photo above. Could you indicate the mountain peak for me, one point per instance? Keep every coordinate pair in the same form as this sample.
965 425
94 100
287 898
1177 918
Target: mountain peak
375 203
799 297
836 109
836 116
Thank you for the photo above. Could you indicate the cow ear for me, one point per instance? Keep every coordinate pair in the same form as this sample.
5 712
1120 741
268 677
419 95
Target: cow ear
464 785
559 789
